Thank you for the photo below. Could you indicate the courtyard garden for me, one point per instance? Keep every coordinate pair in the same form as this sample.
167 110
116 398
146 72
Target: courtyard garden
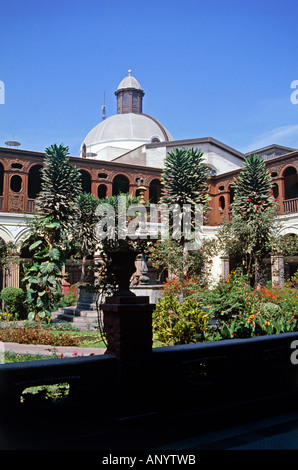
192 308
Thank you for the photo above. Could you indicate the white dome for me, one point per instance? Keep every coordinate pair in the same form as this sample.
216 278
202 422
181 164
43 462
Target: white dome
121 133
129 82
130 126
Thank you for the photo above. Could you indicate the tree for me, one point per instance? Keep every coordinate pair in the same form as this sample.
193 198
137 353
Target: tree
84 235
61 185
184 181
251 233
49 232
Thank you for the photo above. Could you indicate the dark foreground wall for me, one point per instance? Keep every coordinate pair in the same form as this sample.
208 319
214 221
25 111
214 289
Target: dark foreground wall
146 397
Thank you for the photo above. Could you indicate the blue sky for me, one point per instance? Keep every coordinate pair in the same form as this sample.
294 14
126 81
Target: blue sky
219 68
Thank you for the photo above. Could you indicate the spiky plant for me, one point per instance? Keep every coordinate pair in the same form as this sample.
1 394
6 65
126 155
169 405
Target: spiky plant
184 180
61 184
252 187
184 177
84 236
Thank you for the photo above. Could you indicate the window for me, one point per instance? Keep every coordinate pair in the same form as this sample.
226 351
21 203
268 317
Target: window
125 100
34 181
120 185
101 191
135 101
16 183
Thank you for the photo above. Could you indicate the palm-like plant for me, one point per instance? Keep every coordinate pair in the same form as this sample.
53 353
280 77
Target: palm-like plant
61 184
184 181
84 236
252 187
184 177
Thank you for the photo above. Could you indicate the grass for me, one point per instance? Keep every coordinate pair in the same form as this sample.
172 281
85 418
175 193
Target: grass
10 357
87 339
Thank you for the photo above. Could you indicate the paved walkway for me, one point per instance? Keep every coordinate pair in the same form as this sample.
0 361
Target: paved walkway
46 350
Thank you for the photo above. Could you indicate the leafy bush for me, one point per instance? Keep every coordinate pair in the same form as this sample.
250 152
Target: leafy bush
270 310
175 323
69 299
229 298
13 298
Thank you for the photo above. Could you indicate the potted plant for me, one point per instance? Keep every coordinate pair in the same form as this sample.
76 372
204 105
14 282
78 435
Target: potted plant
120 238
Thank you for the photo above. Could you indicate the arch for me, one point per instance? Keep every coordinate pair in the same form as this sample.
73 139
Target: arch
86 181
6 235
275 190
231 193
154 191
290 182
34 181
120 184
102 191
288 230
16 183
221 203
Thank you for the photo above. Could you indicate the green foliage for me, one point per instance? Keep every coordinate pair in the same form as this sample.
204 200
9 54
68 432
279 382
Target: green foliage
175 323
42 278
251 234
69 299
184 180
229 298
49 232
61 185
184 177
169 254
252 187
13 299
83 231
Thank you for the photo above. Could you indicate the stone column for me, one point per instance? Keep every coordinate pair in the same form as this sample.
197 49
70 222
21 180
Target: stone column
225 267
277 270
128 329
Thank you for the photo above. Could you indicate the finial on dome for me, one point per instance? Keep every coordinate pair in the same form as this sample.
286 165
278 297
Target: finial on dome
129 72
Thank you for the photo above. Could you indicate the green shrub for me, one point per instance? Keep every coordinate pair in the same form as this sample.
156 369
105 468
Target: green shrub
175 323
229 298
13 298
69 299
270 310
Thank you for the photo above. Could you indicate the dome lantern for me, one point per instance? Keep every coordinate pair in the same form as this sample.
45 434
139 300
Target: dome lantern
129 96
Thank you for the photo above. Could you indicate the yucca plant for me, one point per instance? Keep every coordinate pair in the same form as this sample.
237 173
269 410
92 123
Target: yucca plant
184 180
184 177
61 185
252 187
84 236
